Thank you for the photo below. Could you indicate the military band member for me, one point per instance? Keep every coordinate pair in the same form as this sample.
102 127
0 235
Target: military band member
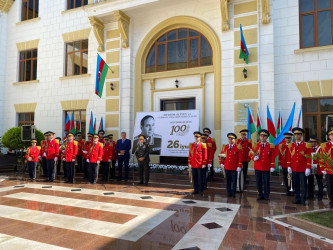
95 154
246 145
212 141
101 133
61 148
106 158
69 156
231 160
197 160
65 136
210 156
327 149
85 152
114 157
315 171
299 165
282 152
32 159
79 157
142 156
51 155
43 145
263 155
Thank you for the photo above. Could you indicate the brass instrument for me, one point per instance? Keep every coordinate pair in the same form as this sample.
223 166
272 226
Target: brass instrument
290 182
223 156
190 174
97 172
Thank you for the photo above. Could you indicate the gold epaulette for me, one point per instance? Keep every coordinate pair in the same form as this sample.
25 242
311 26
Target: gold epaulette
213 139
75 143
289 145
209 145
272 145
83 140
280 146
56 141
239 147
190 145
323 145
39 147
101 145
308 145
250 140
204 145
254 145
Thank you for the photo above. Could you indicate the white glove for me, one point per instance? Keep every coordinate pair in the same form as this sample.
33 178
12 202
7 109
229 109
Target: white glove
280 168
63 159
256 158
209 165
314 166
55 158
85 152
239 169
39 157
203 166
222 165
307 172
272 170
63 151
189 166
289 170
109 160
98 162
73 160
324 172
29 159
88 160
44 154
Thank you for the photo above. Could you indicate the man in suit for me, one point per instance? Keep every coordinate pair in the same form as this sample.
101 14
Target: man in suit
123 147
142 155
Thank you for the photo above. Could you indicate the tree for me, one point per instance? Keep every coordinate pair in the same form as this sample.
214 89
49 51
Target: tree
12 139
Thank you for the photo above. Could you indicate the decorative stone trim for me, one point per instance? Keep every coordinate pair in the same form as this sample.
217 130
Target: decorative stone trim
76 35
33 44
26 82
25 107
98 28
73 77
74 104
298 51
5 5
123 26
225 15
265 19
36 19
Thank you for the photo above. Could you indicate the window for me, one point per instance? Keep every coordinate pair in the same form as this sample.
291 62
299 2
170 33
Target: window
78 114
29 9
25 119
76 58
71 4
28 65
317 117
315 18
179 49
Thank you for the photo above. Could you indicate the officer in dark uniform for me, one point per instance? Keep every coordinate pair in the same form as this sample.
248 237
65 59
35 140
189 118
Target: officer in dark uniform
142 156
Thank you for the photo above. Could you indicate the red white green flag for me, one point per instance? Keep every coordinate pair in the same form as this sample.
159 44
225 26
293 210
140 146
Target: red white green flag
101 71
250 123
258 124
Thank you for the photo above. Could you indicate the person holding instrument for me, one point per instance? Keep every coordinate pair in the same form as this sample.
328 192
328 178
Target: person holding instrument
94 158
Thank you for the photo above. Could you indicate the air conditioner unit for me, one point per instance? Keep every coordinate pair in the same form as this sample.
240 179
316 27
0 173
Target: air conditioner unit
27 132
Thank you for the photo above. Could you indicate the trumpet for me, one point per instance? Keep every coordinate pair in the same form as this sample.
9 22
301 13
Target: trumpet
223 156
290 182
253 152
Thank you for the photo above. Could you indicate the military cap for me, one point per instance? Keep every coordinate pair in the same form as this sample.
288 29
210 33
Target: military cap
244 131
46 133
288 134
313 139
204 136
330 131
197 134
50 132
106 137
110 135
33 141
101 131
207 130
58 138
298 130
263 132
90 134
96 136
70 134
232 135
78 133
66 131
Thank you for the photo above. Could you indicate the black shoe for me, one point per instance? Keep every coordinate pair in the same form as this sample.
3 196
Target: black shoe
125 180
140 183
267 199
118 180
229 195
201 193
260 198
303 203
195 192
233 196
67 181
146 183
320 199
296 201
310 197
289 194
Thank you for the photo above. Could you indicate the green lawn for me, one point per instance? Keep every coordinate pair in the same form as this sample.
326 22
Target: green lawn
321 218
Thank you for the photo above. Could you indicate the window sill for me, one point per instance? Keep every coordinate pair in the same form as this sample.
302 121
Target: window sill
73 77
74 9
297 51
36 19
26 82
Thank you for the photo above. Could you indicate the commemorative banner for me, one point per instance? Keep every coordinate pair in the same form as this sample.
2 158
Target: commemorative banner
168 133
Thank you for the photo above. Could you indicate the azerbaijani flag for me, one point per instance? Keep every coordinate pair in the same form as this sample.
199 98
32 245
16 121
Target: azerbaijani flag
243 53
91 128
95 126
299 117
74 128
72 122
250 123
279 125
101 127
78 125
258 124
270 126
68 123
287 127
101 71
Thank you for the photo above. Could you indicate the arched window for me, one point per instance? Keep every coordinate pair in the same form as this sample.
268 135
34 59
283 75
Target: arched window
179 49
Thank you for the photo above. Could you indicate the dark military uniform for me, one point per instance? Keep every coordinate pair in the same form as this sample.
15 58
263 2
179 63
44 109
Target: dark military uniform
154 143
142 151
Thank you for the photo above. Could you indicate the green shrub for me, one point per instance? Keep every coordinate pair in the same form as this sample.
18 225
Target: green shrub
12 139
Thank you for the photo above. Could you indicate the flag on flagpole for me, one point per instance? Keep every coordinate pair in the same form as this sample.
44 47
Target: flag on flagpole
101 71
78 125
287 127
270 126
299 117
258 124
250 123
72 122
91 126
74 128
101 127
243 53
95 126
278 125
68 123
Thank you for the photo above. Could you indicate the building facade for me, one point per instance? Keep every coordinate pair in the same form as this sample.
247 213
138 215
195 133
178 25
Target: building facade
164 55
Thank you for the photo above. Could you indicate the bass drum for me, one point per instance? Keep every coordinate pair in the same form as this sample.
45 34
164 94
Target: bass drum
240 181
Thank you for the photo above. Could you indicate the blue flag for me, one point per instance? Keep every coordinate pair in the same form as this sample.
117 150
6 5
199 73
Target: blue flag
286 128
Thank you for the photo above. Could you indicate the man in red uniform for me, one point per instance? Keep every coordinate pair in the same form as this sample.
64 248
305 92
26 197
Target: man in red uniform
299 165
246 145
197 159
79 157
101 136
327 149
282 152
70 156
263 155
231 160
212 141
95 154
32 159
114 157
85 152
315 171
43 145
106 159
51 155
210 156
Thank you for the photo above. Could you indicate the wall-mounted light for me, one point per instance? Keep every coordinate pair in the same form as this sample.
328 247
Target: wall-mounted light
111 86
176 83
246 105
245 73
